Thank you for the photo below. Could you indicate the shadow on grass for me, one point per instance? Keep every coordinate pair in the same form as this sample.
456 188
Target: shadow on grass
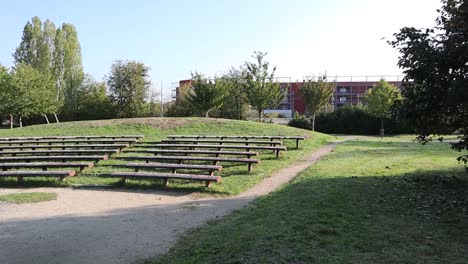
413 218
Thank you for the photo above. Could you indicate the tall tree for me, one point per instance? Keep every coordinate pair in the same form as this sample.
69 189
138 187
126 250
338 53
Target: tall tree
236 104
7 94
68 69
380 100
94 103
205 95
33 49
434 61
261 90
316 95
128 84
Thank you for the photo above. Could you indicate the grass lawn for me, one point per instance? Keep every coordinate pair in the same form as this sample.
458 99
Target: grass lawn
235 176
369 201
31 197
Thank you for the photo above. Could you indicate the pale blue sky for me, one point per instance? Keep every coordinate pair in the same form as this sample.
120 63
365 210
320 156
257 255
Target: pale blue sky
175 38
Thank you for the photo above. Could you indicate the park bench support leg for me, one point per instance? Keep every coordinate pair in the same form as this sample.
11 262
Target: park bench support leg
250 167
136 169
297 143
277 153
207 184
123 180
20 180
44 168
165 182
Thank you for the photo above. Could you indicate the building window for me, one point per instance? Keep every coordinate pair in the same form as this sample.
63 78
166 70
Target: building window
342 99
343 90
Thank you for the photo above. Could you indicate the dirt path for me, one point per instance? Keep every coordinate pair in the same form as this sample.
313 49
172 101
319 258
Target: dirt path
115 226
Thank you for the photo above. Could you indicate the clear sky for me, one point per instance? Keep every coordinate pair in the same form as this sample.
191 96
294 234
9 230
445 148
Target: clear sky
175 38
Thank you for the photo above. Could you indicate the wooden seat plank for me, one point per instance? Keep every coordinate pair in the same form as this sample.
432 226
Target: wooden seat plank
165 176
245 142
174 167
69 141
61 146
21 174
180 159
46 165
198 152
58 151
73 137
62 158
297 138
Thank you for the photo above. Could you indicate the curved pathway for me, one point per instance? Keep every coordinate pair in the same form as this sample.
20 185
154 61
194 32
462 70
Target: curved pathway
116 226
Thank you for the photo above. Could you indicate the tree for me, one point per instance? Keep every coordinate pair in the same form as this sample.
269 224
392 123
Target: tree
93 100
68 69
261 90
380 100
316 95
7 94
434 61
128 84
236 106
205 95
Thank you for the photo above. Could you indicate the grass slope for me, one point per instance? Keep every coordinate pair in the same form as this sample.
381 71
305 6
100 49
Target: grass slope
368 202
32 197
235 176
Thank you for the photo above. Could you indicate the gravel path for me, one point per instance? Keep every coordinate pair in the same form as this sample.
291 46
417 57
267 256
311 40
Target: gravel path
115 226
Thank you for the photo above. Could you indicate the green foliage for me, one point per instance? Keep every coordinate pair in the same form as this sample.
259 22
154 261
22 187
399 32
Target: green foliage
31 197
128 84
93 101
262 92
356 119
316 95
381 98
434 63
235 106
205 95
300 121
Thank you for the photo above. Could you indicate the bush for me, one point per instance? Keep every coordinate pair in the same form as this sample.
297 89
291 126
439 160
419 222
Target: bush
300 122
352 119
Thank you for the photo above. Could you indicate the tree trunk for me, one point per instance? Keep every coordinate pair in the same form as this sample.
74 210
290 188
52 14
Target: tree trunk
21 121
313 122
260 115
56 118
46 118
11 121
382 131
207 114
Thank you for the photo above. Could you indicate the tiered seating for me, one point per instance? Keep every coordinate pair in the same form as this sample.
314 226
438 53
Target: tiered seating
297 138
22 152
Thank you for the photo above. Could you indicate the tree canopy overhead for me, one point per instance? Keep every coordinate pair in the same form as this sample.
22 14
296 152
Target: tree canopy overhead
435 64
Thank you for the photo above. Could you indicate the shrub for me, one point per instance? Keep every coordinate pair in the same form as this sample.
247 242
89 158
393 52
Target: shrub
300 121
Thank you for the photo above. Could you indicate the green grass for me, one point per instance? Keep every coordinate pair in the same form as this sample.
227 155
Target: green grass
235 176
31 197
369 201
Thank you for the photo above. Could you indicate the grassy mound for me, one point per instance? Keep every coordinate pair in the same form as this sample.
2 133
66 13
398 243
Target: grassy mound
32 197
369 201
235 178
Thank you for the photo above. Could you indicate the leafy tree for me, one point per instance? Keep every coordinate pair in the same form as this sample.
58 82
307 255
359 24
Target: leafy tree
261 90
380 100
434 61
7 94
128 84
236 106
93 101
316 95
205 95
68 69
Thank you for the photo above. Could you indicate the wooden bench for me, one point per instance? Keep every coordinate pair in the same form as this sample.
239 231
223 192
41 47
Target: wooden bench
73 137
45 158
276 149
244 142
164 176
174 167
297 138
69 141
60 152
21 174
91 146
180 159
217 153
45 165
